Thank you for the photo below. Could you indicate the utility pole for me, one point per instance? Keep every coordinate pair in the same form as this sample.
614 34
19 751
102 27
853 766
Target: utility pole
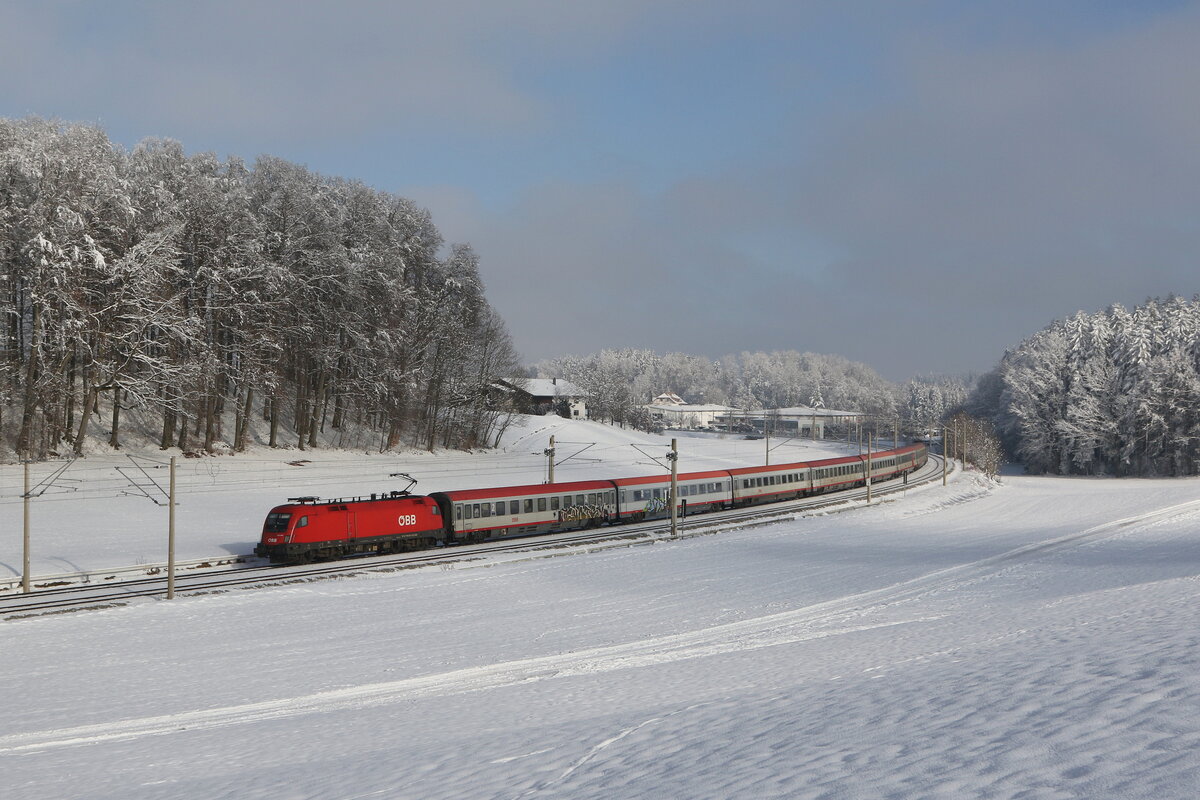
868 469
549 453
171 535
25 549
945 457
673 457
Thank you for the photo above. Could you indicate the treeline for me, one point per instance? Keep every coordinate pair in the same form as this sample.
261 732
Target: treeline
207 292
1115 393
620 382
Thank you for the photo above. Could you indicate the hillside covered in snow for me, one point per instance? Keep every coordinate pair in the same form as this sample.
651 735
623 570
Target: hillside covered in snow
1033 638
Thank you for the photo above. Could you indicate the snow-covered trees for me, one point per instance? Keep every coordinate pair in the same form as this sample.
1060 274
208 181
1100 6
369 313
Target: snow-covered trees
619 381
204 290
1109 393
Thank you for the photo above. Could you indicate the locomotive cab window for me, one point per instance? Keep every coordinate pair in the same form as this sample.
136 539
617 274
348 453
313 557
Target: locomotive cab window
276 523
303 522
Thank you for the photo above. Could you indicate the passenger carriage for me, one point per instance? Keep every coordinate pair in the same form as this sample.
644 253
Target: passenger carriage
769 484
480 514
835 474
901 461
649 496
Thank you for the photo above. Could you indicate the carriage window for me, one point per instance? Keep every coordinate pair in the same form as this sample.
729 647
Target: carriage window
578 499
554 503
514 506
658 494
487 509
541 504
529 505
458 512
592 499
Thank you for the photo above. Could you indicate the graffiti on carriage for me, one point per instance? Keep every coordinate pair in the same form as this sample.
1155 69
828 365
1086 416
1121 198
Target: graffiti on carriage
656 505
575 513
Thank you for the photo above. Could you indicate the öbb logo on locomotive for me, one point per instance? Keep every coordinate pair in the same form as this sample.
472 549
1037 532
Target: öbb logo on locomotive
308 528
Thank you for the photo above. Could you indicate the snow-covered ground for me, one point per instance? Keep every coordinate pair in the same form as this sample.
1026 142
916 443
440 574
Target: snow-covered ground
1038 639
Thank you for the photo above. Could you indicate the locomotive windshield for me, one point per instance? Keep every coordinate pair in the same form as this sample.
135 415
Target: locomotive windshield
276 523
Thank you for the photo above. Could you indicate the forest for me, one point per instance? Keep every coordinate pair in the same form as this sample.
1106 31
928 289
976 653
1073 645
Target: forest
619 382
209 294
1110 393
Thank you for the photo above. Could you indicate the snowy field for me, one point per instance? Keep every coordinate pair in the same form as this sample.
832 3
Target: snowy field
1037 639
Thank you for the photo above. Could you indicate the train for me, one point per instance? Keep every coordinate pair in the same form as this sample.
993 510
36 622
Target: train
309 528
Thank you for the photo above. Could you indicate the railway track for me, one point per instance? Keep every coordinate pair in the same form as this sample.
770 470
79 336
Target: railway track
108 594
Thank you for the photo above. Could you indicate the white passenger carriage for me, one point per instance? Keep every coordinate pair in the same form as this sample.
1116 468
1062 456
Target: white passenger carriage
481 514
649 497
770 484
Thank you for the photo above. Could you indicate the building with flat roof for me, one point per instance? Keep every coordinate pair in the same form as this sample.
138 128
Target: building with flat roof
801 421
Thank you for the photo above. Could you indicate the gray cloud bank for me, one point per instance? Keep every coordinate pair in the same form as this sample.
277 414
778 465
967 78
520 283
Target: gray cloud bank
971 176
1000 185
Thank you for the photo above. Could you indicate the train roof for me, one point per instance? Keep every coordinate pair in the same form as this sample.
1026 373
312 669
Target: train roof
683 476
524 491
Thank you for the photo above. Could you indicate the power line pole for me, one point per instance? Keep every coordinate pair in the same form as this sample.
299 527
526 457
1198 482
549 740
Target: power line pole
171 535
549 453
868 468
673 457
25 548
945 456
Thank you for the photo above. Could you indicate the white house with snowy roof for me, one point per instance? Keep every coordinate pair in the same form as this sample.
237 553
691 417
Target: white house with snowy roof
673 411
546 394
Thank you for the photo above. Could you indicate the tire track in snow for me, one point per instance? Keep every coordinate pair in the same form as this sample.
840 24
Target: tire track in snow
787 627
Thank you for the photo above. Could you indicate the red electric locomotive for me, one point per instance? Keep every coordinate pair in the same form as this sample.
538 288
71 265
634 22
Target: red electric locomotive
308 528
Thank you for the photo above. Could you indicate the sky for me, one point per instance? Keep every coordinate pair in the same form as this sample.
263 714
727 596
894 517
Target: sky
917 186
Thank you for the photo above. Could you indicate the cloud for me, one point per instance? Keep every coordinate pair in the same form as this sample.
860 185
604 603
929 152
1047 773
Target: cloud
914 186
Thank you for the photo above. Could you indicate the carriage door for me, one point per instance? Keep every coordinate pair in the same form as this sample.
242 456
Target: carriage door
351 523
